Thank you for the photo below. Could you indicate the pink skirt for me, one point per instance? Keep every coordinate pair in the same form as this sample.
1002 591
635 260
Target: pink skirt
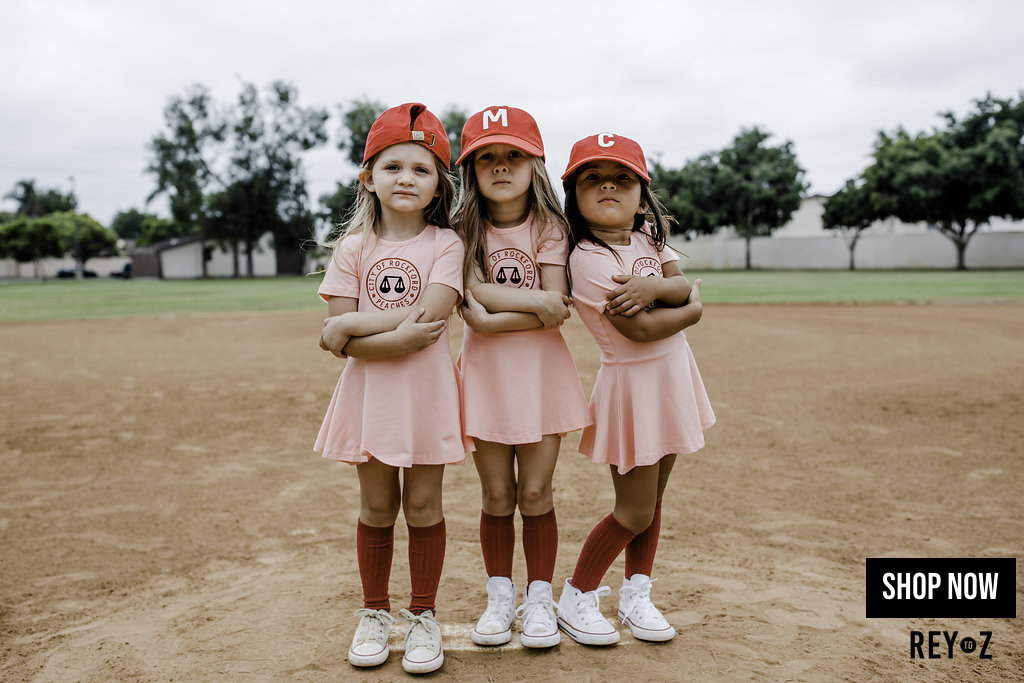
643 410
518 387
403 411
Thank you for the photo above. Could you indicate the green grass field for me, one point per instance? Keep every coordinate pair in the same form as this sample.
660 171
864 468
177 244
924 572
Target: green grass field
71 299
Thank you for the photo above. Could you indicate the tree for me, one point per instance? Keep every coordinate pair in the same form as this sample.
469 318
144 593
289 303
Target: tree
357 121
54 201
688 194
956 179
156 229
266 186
850 211
749 185
80 236
453 119
26 240
337 206
128 224
183 155
34 203
759 186
25 194
238 174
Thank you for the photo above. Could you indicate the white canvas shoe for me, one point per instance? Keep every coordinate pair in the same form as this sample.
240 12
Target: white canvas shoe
540 625
370 642
495 625
423 651
637 611
579 615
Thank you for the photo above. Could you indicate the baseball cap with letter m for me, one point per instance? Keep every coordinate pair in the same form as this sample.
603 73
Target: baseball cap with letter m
501 125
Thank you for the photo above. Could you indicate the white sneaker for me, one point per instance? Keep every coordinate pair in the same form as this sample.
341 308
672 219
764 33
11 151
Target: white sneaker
423 652
540 626
370 643
579 615
638 612
495 626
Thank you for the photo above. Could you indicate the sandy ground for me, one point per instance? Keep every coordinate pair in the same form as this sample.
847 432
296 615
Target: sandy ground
162 514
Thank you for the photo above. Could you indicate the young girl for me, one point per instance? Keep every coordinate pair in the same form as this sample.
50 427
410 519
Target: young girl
521 393
393 280
648 403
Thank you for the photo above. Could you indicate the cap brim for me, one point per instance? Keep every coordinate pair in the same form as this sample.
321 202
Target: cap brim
598 157
518 143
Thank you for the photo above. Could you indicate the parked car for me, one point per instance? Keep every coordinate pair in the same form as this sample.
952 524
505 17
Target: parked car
125 273
70 273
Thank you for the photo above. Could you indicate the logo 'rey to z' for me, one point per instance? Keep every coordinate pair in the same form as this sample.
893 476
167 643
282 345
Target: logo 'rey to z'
647 266
393 283
512 268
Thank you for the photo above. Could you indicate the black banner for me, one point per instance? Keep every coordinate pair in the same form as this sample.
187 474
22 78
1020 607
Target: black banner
965 588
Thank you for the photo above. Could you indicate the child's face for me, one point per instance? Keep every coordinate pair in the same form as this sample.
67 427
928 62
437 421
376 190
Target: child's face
503 172
404 177
608 194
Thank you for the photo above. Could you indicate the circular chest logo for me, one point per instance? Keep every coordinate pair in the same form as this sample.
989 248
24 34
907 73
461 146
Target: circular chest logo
512 268
393 283
647 266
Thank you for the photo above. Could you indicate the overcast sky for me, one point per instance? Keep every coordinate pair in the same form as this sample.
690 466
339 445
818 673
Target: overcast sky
85 83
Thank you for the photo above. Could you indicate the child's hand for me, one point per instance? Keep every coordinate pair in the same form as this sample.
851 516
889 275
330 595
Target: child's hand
416 335
334 337
634 295
474 313
695 293
695 299
552 309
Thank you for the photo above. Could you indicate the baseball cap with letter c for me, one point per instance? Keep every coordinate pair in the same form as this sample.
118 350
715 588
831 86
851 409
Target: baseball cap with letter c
501 125
410 122
608 146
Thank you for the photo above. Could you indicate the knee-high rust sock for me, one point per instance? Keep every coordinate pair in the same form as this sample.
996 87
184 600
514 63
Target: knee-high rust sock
375 548
540 545
601 548
640 551
426 559
497 542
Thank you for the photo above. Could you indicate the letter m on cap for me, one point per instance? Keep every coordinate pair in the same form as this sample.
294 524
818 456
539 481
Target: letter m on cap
496 116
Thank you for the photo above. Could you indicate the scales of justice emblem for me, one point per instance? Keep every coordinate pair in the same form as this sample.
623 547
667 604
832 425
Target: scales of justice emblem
393 283
513 268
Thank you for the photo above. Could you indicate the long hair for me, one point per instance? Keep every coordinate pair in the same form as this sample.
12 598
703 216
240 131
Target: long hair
364 216
471 215
655 221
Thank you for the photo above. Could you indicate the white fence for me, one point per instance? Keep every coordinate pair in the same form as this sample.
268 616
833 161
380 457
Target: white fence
928 250
49 266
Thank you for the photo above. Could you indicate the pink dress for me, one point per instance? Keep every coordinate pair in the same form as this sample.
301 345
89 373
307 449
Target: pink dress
648 400
402 410
520 386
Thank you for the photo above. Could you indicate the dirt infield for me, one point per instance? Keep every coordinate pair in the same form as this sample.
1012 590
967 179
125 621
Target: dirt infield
162 514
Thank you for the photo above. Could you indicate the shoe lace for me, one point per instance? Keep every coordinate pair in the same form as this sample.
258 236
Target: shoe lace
423 630
499 606
588 606
540 608
372 625
637 594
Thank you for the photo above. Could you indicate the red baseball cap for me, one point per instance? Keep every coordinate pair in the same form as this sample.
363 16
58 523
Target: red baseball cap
608 146
501 124
410 122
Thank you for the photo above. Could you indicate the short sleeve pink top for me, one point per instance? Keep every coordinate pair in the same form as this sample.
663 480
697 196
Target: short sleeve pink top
648 400
403 410
520 386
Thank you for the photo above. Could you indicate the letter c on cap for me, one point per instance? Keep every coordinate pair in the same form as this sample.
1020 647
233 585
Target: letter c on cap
496 116
603 141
